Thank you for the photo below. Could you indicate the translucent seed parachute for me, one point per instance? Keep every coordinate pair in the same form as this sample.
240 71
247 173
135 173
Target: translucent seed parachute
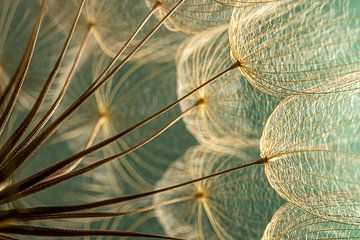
228 207
312 146
285 47
291 222
232 108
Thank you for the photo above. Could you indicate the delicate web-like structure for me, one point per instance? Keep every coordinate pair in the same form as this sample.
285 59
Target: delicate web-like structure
291 222
108 23
230 207
194 15
232 108
117 106
288 46
244 3
312 146
92 98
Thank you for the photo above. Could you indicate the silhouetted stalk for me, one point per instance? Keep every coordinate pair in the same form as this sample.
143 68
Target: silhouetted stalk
3 237
90 141
17 217
17 189
11 142
18 80
15 161
57 232
26 187
83 45
73 208
46 117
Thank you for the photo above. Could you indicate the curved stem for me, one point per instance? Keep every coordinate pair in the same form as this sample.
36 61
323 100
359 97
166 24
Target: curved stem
46 117
11 142
52 109
37 142
31 217
21 72
73 208
90 141
26 187
7 193
57 232
3 237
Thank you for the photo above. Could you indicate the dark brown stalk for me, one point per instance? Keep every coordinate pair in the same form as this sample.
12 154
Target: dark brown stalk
10 143
15 161
3 237
26 185
73 208
17 189
46 117
22 217
57 232
21 72
54 106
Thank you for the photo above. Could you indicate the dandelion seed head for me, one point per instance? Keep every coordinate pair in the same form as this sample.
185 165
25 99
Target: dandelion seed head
280 80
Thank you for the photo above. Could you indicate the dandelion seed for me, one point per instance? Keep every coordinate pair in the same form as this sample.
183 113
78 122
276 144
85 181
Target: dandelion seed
232 108
312 146
291 222
229 207
194 15
130 96
111 24
288 46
